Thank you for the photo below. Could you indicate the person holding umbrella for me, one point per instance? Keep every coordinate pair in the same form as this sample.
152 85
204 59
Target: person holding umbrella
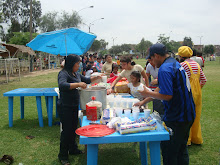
68 105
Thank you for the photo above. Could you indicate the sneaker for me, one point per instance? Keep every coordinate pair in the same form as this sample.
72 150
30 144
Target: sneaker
65 162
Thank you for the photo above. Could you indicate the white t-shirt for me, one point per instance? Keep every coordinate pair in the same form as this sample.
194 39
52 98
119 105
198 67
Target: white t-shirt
135 90
88 73
153 71
198 60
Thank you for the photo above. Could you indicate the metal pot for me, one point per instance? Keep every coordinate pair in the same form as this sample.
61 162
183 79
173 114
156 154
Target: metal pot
85 96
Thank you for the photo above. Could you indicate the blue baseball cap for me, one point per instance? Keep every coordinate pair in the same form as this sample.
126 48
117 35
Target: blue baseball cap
156 48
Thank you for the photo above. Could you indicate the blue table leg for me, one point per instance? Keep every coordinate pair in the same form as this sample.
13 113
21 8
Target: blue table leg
46 100
22 106
10 110
57 115
39 111
155 152
143 153
50 110
92 154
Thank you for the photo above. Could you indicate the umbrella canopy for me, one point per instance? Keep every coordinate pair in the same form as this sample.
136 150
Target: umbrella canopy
63 42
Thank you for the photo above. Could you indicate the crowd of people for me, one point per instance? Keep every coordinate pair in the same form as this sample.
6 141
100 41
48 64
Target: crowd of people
173 85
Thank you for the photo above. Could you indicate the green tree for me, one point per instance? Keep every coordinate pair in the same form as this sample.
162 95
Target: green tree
115 49
170 45
48 22
143 46
20 10
165 41
69 20
103 44
209 49
187 41
126 47
174 46
21 38
16 13
103 52
96 45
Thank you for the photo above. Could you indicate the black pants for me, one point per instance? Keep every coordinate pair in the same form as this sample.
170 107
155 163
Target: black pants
69 119
158 106
175 150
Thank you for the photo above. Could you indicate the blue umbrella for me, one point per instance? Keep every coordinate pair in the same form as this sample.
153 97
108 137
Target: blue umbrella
63 42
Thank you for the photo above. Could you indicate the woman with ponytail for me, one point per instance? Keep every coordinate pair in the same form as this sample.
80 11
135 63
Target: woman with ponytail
128 67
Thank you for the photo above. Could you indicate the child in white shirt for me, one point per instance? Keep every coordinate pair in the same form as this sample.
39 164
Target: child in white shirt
135 85
89 71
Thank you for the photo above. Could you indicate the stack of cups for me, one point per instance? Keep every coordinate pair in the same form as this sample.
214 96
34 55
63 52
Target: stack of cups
118 111
135 112
146 113
118 103
130 103
127 113
111 103
124 103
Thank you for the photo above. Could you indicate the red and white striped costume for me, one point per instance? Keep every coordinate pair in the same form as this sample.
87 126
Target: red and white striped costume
194 66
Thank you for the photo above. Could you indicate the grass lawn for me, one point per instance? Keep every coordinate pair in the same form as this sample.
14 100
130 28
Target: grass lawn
43 149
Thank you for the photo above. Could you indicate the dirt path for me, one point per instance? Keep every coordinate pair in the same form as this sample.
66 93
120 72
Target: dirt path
43 72
28 74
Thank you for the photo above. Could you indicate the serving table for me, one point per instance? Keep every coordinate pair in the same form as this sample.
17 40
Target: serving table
153 137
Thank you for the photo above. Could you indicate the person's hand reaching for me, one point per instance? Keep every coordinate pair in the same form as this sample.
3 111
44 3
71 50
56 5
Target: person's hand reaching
82 85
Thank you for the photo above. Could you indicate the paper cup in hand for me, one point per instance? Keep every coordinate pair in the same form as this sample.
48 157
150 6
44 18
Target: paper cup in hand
104 79
135 109
147 113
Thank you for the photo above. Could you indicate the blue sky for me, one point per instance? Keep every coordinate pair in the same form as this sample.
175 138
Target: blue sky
131 20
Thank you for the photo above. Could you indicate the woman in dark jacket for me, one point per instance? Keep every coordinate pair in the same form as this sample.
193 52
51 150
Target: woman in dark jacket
68 105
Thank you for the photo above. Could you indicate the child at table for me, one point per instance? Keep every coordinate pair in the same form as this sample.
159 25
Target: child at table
136 86
114 70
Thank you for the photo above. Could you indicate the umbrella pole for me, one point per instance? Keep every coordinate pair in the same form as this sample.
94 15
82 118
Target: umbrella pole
65 44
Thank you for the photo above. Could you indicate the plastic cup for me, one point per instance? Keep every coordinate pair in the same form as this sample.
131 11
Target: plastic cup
135 114
118 103
130 104
124 104
111 104
135 109
127 113
118 111
104 79
147 113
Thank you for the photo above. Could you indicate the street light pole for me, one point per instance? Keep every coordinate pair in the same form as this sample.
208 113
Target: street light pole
113 39
91 23
84 8
200 37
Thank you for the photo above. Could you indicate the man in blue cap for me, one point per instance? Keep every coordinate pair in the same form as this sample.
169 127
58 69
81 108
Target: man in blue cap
175 91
